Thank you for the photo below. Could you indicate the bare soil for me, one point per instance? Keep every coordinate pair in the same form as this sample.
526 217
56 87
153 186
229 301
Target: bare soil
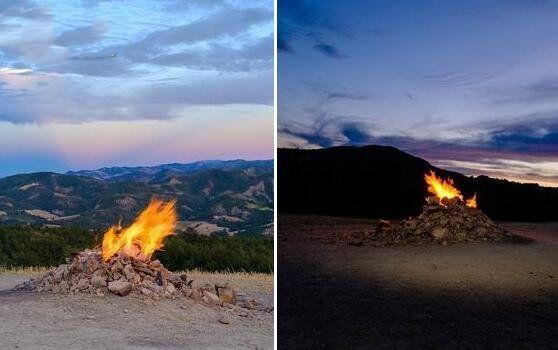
460 296
47 321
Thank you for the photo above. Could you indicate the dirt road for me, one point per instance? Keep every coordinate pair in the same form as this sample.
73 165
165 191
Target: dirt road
47 321
465 296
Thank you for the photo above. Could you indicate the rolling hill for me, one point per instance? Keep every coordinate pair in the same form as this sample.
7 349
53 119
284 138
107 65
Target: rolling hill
149 173
237 197
384 182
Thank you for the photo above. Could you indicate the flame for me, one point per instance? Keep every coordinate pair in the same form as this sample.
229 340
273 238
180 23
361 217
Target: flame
472 202
441 188
145 235
445 189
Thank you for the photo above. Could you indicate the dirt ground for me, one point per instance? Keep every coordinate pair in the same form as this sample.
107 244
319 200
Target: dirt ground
47 321
461 296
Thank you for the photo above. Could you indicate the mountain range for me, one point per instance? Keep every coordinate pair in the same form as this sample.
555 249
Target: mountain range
212 196
385 182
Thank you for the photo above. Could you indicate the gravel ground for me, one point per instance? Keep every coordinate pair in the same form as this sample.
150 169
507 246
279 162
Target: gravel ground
47 321
461 296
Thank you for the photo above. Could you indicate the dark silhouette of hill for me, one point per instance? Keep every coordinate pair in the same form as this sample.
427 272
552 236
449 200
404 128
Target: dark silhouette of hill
384 182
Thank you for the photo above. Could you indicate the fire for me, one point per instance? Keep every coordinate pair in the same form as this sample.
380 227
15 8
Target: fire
472 202
445 189
145 235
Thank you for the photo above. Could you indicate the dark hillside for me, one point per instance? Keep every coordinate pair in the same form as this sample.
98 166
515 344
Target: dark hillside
384 182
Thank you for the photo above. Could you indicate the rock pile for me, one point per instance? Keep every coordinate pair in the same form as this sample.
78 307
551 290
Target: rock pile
86 272
447 222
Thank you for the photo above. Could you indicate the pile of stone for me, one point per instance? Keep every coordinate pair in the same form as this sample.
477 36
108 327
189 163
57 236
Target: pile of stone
448 221
86 272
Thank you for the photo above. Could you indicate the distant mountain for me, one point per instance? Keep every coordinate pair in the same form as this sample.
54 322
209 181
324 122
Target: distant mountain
384 182
230 198
150 173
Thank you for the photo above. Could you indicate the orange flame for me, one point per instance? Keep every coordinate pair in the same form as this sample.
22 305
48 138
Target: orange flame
472 202
445 189
145 235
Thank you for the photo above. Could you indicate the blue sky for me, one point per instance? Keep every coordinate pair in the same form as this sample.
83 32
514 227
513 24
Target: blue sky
468 85
85 84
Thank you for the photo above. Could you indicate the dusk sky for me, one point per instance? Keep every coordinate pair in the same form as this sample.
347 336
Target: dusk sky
86 84
470 86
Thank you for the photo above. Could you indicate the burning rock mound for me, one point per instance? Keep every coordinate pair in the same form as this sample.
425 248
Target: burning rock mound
87 272
449 221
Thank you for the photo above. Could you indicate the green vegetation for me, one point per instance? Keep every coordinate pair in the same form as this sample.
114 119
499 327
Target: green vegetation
34 246
31 246
189 251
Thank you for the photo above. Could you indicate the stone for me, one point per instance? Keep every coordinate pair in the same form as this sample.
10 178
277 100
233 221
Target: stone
98 281
154 287
82 284
206 287
128 271
176 280
210 298
439 232
59 273
226 294
120 287
224 320
187 292
170 288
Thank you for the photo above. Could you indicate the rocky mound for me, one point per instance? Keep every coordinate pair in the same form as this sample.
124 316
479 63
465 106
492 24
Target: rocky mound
450 221
86 272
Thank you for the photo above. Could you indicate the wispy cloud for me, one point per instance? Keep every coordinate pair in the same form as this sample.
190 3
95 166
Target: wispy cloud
300 20
220 53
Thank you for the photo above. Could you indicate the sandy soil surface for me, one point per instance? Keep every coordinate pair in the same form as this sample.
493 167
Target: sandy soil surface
47 321
461 296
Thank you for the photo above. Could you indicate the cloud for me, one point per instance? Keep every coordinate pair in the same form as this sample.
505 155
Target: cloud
225 22
256 89
452 79
59 99
299 20
253 56
328 94
82 35
134 71
24 9
197 45
524 150
543 90
328 50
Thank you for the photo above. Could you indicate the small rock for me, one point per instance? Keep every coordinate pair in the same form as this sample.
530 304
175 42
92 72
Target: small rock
120 287
224 320
210 298
439 232
82 284
226 294
175 280
170 288
98 281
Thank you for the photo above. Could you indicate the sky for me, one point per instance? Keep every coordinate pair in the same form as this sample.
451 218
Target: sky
86 84
470 86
